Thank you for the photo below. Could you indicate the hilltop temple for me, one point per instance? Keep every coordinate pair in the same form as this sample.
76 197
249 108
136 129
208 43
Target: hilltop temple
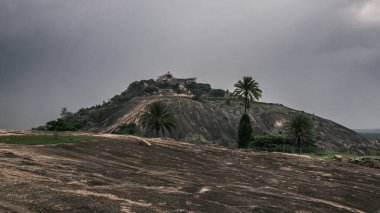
169 78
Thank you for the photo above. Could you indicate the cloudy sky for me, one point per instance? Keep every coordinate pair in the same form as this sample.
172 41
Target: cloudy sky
322 57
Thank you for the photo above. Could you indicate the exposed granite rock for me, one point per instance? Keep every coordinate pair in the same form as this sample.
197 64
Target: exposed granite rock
216 121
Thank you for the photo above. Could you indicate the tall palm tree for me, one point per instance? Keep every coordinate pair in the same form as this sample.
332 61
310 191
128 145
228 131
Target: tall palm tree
156 118
300 128
249 90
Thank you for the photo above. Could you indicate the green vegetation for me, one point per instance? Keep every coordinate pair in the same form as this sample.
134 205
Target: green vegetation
244 131
150 89
198 88
126 129
165 85
87 118
60 125
217 93
43 139
268 141
249 90
156 118
301 130
277 144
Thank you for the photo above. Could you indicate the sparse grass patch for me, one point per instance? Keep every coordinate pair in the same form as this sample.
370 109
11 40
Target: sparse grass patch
44 139
330 155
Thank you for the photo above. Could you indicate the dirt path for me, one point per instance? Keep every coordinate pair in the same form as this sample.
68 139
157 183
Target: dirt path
118 175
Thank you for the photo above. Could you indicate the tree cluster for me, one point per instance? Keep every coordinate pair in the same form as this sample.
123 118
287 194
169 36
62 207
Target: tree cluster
300 129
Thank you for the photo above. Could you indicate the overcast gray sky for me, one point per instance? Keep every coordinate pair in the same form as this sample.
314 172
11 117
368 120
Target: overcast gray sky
322 57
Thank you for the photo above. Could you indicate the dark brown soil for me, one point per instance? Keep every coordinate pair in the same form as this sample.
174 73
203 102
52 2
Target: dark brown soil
119 175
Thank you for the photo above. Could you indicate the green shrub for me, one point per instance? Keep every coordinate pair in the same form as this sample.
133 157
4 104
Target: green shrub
126 129
150 89
278 144
271 143
165 85
198 88
217 93
244 131
300 129
268 141
60 125
197 97
136 88
150 82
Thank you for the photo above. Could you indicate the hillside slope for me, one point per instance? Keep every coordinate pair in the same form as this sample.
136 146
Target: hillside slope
216 120
119 175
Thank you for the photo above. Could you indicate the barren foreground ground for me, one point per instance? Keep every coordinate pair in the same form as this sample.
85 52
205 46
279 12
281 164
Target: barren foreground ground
119 175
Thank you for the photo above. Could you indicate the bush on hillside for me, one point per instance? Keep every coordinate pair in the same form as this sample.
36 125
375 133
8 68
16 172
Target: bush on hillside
87 118
268 141
165 85
198 88
126 129
271 143
150 89
136 88
277 143
217 93
244 131
60 125
300 129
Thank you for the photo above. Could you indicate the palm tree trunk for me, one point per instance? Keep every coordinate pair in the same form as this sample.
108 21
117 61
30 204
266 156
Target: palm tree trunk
246 106
246 102
299 143
157 131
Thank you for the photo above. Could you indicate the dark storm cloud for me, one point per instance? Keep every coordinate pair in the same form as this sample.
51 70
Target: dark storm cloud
316 56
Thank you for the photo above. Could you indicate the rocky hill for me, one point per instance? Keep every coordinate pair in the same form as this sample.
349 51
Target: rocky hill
215 120
210 116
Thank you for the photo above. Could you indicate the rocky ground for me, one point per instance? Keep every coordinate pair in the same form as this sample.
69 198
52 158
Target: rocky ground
116 174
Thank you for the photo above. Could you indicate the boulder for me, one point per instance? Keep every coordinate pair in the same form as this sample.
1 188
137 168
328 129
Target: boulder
338 158
144 143
371 162
345 159
366 161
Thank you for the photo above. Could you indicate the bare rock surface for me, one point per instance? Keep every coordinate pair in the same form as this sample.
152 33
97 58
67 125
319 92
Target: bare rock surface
216 121
119 175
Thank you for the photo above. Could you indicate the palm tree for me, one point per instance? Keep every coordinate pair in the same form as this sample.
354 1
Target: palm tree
156 118
249 90
300 128
244 131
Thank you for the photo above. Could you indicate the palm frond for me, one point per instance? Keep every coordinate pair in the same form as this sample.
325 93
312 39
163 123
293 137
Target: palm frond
157 117
248 89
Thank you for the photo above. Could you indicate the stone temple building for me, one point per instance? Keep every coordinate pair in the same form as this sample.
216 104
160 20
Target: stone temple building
169 78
